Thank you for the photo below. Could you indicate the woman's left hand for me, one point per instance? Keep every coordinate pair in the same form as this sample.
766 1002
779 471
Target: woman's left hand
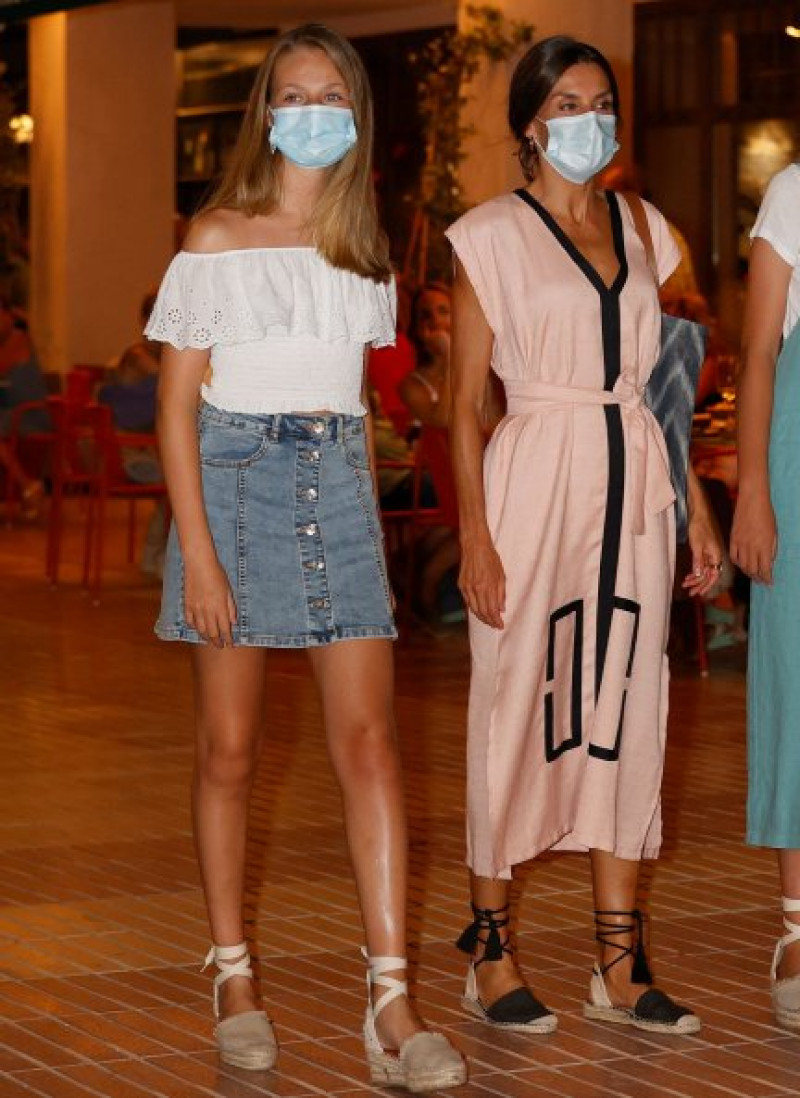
707 552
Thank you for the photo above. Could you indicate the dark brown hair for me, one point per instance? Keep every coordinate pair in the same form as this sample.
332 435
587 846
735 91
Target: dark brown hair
534 78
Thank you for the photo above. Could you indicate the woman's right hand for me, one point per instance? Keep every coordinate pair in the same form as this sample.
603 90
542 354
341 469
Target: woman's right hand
208 602
482 582
754 539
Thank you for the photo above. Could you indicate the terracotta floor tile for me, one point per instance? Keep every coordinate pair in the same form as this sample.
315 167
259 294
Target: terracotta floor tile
102 923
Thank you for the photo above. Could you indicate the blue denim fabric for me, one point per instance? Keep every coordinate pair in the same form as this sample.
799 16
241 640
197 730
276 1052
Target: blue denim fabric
292 512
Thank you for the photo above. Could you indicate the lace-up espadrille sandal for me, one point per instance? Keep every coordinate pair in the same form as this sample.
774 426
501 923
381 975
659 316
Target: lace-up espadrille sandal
786 993
519 1010
244 1040
424 1062
654 1011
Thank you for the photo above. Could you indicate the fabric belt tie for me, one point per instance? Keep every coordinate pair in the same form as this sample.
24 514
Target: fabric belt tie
647 472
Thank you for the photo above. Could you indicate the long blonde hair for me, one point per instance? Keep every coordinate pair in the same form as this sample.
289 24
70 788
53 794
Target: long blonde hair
345 227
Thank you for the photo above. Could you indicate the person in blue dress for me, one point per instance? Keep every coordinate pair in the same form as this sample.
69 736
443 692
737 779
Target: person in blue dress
766 545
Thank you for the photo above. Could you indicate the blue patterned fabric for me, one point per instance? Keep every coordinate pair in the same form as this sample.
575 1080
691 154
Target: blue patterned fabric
670 396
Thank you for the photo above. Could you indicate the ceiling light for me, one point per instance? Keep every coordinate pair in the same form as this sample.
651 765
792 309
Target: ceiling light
793 32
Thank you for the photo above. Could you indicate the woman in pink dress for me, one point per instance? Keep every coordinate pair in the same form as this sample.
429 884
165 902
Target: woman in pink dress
567 534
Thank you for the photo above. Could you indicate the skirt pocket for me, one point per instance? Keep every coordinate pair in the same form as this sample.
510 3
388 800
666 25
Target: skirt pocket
228 445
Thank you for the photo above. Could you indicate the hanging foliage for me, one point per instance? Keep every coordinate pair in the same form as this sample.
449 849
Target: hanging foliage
13 177
444 69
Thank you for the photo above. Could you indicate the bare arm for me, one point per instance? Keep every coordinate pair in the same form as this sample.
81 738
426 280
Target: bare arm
209 603
754 538
482 579
704 539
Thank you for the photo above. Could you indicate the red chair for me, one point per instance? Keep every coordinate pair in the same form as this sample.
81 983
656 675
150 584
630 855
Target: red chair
434 444
28 447
404 527
81 382
114 483
75 472
88 463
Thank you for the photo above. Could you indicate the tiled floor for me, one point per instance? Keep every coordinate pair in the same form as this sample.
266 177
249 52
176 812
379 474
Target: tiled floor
101 920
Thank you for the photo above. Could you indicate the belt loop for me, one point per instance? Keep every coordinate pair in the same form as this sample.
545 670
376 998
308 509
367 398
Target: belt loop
275 428
340 429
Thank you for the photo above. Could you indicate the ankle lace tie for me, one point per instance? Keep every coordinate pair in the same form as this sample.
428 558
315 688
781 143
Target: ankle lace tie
494 946
605 933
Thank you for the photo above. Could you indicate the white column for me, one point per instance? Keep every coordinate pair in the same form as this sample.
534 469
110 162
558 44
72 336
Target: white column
491 166
102 174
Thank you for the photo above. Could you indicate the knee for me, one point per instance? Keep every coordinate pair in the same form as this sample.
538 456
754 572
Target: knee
227 760
367 751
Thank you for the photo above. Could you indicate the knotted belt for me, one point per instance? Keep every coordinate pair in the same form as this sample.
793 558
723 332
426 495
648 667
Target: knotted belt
647 466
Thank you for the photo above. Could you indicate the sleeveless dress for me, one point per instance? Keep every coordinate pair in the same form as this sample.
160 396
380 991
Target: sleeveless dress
773 695
568 703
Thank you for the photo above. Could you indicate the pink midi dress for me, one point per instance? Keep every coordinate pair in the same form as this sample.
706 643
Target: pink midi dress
568 702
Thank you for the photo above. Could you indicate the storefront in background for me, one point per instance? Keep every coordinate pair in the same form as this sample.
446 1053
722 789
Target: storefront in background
717 113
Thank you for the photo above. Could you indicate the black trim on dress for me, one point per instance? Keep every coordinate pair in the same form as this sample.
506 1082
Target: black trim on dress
612 364
552 750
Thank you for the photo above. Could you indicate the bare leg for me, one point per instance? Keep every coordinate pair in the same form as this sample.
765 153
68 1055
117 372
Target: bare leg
614 881
356 683
789 865
229 699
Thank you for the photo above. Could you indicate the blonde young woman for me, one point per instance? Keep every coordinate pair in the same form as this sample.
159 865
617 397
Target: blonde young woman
283 283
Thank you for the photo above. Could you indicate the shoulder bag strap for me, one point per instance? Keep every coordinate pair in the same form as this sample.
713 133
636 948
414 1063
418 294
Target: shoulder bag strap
639 215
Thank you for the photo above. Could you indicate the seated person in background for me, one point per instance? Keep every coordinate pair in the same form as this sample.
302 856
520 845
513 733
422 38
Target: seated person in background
426 390
426 393
396 482
396 493
21 380
387 366
130 393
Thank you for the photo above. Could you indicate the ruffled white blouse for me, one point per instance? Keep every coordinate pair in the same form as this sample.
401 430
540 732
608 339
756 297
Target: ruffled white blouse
287 331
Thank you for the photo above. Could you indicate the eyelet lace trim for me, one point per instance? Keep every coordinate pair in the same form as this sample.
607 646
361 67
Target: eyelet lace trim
243 296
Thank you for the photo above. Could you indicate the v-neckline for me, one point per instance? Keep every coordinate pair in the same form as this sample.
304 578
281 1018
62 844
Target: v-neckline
589 270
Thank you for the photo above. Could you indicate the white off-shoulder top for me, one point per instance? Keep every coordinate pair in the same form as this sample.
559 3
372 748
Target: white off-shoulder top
287 331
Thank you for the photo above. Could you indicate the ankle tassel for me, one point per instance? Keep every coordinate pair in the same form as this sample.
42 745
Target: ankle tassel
484 919
640 973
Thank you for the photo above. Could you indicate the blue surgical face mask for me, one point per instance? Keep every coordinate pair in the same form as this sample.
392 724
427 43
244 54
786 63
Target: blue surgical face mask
580 145
313 136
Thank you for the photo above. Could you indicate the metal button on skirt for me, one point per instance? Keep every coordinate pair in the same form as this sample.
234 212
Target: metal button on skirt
292 513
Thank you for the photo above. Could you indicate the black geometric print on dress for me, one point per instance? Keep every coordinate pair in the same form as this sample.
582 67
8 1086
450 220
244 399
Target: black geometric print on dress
611 326
611 754
553 749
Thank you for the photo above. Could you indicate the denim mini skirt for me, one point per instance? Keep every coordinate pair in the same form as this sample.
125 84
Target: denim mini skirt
292 512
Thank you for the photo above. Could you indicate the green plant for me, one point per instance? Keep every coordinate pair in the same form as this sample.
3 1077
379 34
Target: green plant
444 68
12 184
